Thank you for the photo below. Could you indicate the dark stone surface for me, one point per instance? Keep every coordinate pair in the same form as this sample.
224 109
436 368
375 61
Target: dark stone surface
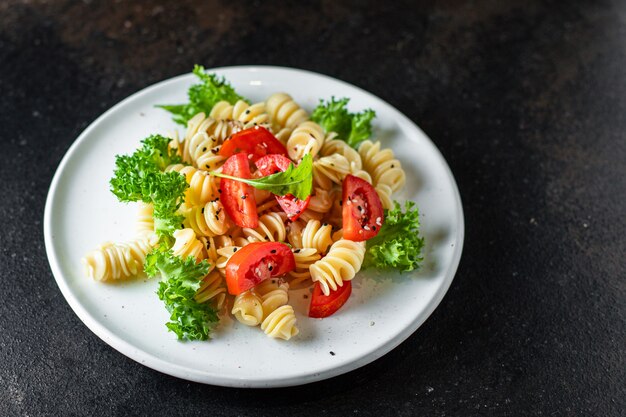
527 102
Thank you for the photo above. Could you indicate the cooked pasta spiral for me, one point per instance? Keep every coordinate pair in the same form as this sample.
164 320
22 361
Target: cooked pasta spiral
215 129
321 200
186 244
382 165
113 261
248 308
337 146
202 151
273 294
271 228
343 261
145 220
212 289
202 186
316 235
284 112
307 138
304 259
210 220
281 323
249 115
329 170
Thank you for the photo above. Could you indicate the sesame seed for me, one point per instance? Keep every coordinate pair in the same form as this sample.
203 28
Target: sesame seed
270 268
234 250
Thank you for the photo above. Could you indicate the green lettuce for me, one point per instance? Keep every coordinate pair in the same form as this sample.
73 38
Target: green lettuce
353 128
203 96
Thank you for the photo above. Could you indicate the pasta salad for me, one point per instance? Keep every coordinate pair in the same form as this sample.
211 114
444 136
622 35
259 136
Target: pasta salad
254 200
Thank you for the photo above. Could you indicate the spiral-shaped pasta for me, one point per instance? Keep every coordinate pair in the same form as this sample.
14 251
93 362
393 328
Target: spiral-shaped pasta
304 259
202 186
306 138
212 289
321 200
273 294
271 228
316 235
284 111
210 220
248 308
113 261
343 261
382 165
145 219
281 323
186 244
248 115
336 146
218 130
329 170
384 193
202 150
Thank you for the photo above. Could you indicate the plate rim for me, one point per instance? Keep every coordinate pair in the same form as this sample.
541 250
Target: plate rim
164 366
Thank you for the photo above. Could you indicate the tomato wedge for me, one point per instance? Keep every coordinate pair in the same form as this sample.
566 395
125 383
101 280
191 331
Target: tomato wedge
256 141
272 164
237 197
362 211
256 262
325 305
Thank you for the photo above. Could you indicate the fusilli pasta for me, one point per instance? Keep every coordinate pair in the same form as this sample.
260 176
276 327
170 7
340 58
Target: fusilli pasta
343 261
114 261
284 111
281 323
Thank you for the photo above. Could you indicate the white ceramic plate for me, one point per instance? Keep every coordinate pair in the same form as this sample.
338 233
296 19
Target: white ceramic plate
384 309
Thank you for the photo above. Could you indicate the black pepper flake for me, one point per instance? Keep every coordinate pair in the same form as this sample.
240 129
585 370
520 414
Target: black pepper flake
243 197
360 208
273 251
374 228
305 296
219 191
208 166
202 211
296 251
324 224
332 353
248 111
393 166
270 268
340 203
234 250
204 149
182 226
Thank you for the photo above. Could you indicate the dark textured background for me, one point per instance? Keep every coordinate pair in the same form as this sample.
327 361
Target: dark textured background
527 102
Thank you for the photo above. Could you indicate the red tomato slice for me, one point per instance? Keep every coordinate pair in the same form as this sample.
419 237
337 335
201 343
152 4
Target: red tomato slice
256 262
272 164
325 305
362 211
256 141
237 197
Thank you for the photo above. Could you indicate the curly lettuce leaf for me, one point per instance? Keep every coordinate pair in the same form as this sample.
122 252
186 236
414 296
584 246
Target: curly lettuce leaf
140 177
203 96
334 116
398 244
181 278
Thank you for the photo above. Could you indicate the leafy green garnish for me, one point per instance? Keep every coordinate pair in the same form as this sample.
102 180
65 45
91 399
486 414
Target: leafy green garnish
181 279
203 96
353 128
398 244
297 181
140 177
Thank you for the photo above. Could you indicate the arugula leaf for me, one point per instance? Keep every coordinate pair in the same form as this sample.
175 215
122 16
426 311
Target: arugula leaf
139 177
203 96
296 181
181 279
353 128
398 244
